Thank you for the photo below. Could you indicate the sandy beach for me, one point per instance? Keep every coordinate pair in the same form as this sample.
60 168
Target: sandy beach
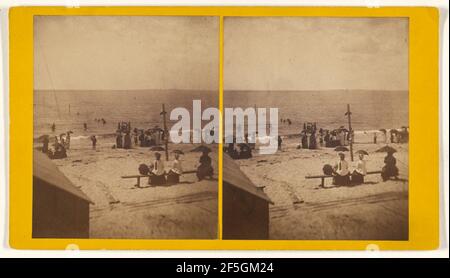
375 210
187 210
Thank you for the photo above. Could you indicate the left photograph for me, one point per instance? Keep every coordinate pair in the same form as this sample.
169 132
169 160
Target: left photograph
104 162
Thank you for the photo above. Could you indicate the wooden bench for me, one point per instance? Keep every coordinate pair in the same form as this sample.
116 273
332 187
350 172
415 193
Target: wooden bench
323 177
138 177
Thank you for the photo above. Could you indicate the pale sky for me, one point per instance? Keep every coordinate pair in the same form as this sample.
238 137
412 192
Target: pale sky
292 53
126 52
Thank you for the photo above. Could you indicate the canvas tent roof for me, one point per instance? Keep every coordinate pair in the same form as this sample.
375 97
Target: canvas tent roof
233 175
45 170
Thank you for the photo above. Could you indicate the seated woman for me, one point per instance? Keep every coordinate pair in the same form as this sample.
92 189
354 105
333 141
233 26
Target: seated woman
389 169
173 177
360 171
205 169
341 172
157 175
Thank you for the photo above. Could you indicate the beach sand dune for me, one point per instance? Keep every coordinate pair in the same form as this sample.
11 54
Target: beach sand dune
187 210
375 210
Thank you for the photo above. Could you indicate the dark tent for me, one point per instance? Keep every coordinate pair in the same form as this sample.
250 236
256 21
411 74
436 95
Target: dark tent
60 210
245 206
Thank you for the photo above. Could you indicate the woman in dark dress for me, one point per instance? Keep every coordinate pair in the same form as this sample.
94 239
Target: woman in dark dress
312 141
304 140
119 140
389 169
205 169
127 141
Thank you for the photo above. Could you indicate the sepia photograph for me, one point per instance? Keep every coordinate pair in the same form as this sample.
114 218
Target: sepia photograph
104 162
338 94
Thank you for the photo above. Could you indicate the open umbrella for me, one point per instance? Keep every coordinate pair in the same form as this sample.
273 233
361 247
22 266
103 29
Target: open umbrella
201 148
383 130
341 149
362 152
178 152
156 149
386 149
42 138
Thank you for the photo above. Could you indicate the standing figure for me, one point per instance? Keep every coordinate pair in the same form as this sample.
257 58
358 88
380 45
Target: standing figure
135 138
280 141
68 140
119 140
61 139
94 142
142 139
313 141
85 126
304 140
53 127
374 137
127 141
327 138
45 144
56 144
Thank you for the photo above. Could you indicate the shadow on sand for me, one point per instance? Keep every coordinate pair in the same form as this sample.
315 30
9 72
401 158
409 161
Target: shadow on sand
356 185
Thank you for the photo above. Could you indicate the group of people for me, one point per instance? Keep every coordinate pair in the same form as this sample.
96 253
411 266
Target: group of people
287 121
341 171
239 151
157 173
343 176
393 135
60 146
310 137
125 136
101 120
148 138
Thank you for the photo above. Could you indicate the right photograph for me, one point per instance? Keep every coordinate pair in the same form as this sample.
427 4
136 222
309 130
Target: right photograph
316 128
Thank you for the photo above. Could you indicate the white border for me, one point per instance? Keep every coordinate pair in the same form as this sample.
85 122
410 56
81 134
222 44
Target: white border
5 251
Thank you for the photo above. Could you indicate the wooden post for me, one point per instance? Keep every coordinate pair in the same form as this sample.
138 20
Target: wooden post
348 114
166 133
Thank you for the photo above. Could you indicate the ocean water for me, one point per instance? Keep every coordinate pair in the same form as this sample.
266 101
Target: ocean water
70 109
371 110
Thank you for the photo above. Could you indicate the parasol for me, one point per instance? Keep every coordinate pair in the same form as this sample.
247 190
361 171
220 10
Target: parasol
341 149
156 149
386 149
201 148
